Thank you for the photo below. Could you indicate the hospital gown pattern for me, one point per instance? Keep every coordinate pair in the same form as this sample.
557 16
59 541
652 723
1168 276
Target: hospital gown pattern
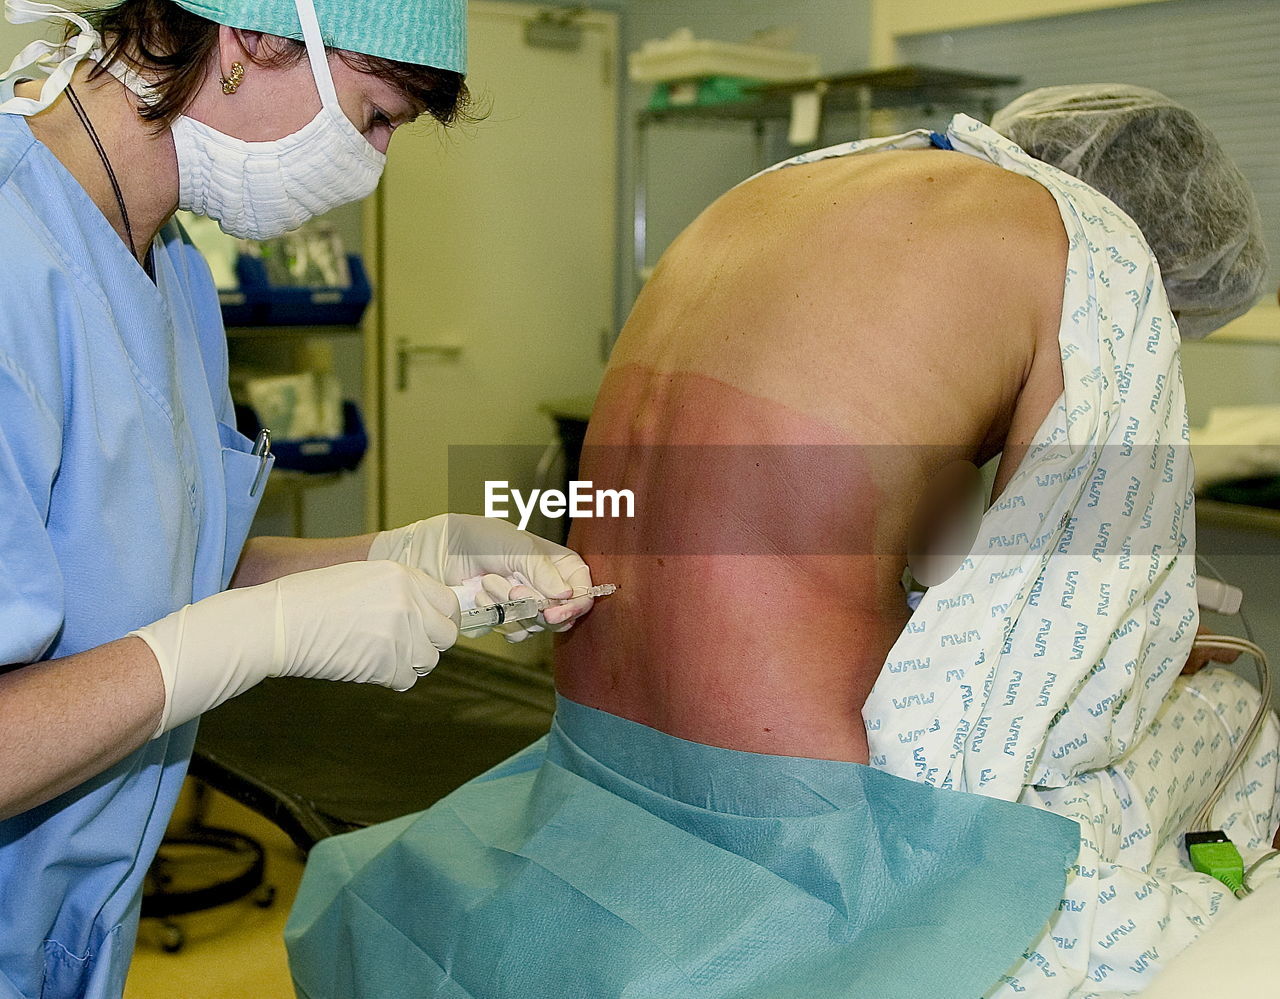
1043 670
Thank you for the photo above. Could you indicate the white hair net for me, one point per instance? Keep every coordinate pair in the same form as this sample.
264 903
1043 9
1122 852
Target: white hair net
1162 166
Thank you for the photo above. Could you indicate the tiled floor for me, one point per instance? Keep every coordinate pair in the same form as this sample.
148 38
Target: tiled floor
233 952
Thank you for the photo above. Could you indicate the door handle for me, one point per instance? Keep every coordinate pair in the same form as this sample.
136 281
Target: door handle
407 352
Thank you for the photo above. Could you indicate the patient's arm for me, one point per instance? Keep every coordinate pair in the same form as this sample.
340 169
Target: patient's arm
806 357
1201 656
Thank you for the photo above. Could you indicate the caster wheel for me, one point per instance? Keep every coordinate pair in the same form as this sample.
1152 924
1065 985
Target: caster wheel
264 896
172 938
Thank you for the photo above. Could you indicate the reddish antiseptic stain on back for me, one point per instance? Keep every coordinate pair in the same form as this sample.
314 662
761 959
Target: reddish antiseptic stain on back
753 610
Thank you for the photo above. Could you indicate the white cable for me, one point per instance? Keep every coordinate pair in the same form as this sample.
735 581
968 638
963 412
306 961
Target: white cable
1258 863
1204 815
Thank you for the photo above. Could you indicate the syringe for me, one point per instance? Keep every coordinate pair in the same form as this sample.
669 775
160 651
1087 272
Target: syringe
478 618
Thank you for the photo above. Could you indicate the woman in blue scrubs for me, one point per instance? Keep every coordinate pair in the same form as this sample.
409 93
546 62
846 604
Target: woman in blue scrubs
129 600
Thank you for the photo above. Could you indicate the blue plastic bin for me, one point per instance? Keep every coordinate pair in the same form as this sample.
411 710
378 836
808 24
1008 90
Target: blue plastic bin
239 310
257 302
314 454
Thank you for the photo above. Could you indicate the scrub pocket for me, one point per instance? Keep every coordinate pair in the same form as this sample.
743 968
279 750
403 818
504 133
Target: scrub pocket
240 468
100 972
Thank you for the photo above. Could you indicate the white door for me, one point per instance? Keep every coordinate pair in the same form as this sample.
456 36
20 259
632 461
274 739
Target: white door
496 261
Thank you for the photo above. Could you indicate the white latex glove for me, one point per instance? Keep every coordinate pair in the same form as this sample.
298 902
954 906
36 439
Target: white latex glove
457 547
369 622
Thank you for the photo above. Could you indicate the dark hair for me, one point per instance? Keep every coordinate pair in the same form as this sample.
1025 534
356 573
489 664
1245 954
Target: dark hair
175 45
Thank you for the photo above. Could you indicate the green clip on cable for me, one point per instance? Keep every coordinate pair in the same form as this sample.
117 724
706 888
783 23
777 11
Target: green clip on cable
1213 854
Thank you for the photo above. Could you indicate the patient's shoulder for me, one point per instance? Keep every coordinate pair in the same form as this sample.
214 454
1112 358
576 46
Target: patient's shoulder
986 215
934 221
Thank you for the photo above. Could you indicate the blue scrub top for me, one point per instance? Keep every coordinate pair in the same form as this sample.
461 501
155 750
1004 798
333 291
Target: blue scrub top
125 494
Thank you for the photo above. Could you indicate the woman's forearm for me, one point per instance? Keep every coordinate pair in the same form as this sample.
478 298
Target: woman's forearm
66 720
265 559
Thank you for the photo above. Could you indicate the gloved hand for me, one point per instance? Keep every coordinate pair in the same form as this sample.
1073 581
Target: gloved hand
457 547
369 622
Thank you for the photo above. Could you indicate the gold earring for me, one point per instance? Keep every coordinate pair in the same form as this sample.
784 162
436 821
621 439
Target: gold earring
232 83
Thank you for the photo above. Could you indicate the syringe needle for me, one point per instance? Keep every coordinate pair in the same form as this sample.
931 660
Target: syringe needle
602 590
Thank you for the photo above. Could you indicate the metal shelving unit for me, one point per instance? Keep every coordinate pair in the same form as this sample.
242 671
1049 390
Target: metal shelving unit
859 94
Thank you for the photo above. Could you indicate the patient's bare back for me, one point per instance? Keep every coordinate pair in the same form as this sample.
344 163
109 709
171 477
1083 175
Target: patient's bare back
806 357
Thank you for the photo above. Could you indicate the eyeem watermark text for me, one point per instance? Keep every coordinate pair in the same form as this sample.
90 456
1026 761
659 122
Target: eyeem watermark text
582 502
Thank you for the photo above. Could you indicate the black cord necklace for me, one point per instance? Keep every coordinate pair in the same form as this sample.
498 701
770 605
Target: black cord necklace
148 263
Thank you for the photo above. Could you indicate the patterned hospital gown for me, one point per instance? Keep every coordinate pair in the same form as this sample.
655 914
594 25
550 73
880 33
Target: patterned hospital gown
1044 669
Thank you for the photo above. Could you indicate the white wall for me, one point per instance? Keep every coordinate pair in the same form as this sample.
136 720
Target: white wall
893 18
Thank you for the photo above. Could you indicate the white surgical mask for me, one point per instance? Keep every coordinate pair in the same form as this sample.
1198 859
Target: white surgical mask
255 190
258 190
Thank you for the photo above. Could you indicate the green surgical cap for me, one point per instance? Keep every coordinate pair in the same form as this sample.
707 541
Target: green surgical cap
423 32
